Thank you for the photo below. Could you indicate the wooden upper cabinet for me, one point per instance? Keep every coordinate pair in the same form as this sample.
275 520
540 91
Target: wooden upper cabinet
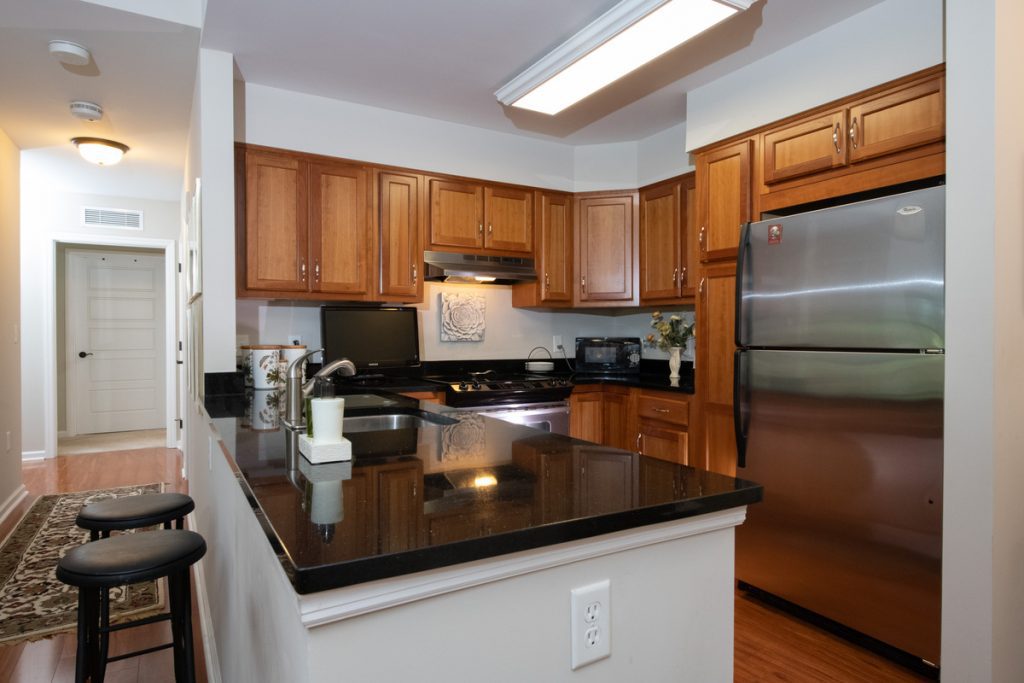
340 238
508 218
723 195
401 251
605 241
897 120
661 246
554 258
668 241
809 146
456 214
275 222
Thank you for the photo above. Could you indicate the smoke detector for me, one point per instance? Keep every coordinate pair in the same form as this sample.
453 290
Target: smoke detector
70 53
88 111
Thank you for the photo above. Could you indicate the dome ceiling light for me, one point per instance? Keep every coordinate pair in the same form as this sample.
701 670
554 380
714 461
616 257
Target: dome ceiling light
70 53
99 151
621 40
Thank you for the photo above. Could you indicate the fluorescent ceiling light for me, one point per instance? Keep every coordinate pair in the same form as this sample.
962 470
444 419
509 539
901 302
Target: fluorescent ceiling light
622 39
99 151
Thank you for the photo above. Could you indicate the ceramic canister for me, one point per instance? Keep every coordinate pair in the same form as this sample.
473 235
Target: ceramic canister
266 371
265 410
247 364
291 353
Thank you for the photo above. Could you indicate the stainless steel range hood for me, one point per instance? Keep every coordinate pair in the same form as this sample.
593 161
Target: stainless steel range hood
445 266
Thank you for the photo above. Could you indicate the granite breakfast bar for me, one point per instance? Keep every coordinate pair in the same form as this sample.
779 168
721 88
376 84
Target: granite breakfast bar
450 544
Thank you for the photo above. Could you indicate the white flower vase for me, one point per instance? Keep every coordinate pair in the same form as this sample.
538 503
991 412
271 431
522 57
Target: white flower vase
674 353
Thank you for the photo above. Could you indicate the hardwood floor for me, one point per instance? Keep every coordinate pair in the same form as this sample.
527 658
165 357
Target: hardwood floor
53 660
771 645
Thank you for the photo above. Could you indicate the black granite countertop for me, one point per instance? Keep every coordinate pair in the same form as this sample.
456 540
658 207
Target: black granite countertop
659 381
451 488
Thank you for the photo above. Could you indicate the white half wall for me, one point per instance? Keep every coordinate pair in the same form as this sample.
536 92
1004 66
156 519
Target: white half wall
308 123
889 40
10 320
46 212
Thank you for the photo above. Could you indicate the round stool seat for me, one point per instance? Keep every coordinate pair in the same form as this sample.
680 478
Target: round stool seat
133 512
130 558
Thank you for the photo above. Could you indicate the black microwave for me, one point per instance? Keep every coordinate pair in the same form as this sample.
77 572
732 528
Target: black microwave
606 355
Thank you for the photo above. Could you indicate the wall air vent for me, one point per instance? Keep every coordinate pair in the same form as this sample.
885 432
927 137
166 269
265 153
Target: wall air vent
126 219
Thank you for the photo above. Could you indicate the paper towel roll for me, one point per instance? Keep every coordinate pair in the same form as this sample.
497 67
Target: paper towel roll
327 416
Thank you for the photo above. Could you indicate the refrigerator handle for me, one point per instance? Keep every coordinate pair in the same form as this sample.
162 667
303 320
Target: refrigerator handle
738 411
740 265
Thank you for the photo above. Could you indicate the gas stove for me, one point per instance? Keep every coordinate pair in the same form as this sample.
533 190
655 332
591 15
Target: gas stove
494 388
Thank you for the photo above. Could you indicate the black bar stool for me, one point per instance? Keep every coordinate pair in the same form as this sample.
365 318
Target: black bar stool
97 567
134 512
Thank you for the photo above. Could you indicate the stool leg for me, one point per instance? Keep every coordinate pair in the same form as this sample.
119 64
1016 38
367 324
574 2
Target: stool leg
94 535
175 590
186 615
82 658
103 648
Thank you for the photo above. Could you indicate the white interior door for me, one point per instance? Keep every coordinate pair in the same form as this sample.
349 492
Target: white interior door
115 342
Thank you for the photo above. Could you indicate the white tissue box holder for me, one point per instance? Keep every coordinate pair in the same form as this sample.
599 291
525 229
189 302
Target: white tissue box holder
318 453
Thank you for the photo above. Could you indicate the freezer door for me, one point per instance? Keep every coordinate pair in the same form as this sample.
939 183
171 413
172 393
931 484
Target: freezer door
848 447
861 276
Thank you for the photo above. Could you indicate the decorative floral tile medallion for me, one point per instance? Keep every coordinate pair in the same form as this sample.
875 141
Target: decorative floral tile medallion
462 317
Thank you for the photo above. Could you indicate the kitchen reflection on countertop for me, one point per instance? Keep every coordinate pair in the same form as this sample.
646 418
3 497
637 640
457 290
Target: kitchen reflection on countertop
455 488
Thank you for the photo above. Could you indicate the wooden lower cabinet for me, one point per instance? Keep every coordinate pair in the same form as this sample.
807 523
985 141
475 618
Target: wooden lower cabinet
400 499
715 351
586 414
663 441
618 418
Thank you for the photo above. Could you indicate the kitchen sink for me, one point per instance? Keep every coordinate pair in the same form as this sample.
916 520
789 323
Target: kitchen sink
391 421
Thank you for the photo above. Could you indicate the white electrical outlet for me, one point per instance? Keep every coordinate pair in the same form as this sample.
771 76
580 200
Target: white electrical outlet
295 339
556 343
591 619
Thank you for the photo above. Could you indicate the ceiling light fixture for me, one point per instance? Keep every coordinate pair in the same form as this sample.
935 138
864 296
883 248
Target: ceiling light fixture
70 53
99 151
622 39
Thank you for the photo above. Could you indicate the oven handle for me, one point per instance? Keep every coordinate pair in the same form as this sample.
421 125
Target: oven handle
523 408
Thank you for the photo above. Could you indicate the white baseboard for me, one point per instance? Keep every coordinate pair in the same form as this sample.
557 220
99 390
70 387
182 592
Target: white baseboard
12 502
33 455
205 620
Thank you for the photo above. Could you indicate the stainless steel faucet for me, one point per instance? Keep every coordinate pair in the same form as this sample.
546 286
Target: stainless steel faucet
296 391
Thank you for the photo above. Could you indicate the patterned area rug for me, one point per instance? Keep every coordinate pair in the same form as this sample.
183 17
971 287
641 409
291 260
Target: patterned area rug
33 603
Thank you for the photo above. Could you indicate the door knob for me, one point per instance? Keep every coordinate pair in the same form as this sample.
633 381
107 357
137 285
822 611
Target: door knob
83 354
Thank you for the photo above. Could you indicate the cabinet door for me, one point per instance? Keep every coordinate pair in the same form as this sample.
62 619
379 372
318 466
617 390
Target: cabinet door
898 120
450 528
356 534
723 192
605 247
340 237
555 257
557 473
399 495
660 482
691 252
401 253
456 214
661 246
663 442
508 215
586 416
715 350
617 423
808 146
276 245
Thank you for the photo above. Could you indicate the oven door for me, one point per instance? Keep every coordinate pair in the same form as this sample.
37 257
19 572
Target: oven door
548 417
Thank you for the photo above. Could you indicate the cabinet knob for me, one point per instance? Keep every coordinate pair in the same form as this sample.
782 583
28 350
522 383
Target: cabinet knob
547 281
490 229
853 133
835 138
675 276
639 436
700 287
480 227
583 282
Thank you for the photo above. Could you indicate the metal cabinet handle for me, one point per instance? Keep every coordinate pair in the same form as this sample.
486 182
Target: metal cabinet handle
682 280
700 236
490 229
316 270
302 269
480 227
700 287
583 282
83 354
661 410
675 276
547 281
854 133
415 274
835 138
639 436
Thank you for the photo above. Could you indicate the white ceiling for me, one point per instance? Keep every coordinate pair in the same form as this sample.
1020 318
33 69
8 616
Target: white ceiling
142 73
445 58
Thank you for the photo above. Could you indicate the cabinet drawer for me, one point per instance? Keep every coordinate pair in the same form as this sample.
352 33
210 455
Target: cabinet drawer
664 409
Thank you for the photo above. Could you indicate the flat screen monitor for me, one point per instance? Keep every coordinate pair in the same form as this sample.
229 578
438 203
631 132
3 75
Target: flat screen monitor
371 337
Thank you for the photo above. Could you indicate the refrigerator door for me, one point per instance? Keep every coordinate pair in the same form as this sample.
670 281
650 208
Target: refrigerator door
848 447
860 276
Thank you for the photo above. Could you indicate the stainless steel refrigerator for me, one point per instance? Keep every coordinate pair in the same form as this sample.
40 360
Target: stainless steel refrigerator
838 412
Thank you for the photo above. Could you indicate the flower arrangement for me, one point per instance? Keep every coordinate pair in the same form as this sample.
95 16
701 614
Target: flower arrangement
671 332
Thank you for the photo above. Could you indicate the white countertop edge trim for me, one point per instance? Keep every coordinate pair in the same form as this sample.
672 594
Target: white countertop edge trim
325 607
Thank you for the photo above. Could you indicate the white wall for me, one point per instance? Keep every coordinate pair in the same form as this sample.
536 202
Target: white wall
510 333
983 527
611 166
45 212
662 155
308 123
889 40
10 303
